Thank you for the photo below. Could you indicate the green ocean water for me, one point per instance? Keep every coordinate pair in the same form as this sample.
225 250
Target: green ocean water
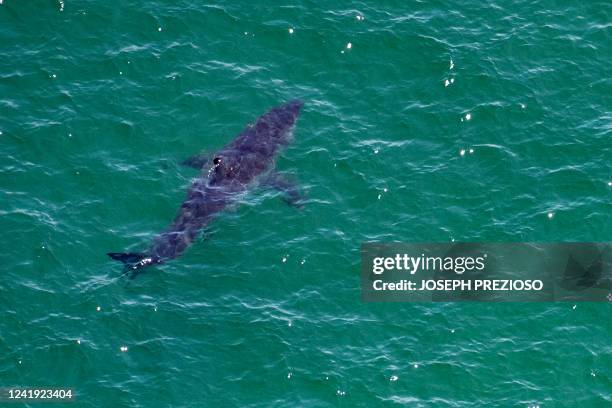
443 120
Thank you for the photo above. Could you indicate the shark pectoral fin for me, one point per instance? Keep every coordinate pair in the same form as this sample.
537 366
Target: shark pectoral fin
290 190
197 161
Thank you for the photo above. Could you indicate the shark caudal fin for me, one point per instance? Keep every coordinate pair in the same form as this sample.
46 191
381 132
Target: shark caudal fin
134 261
127 257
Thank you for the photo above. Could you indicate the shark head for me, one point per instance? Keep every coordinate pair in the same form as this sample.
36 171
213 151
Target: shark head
255 150
276 125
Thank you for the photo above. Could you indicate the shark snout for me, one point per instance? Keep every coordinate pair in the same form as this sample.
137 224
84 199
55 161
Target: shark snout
294 106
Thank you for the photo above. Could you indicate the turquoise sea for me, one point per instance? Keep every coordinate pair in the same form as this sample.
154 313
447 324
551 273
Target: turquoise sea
424 121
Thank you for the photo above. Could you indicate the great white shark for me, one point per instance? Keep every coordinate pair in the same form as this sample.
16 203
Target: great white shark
248 159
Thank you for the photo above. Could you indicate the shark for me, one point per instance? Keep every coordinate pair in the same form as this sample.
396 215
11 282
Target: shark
248 160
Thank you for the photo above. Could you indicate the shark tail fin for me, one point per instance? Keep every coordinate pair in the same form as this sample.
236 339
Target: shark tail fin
134 260
127 257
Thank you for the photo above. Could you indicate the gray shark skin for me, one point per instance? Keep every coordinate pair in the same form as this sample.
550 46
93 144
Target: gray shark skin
231 172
